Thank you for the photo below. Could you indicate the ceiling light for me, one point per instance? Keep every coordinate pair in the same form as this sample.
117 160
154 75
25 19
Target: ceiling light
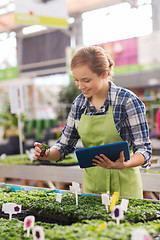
33 29
3 3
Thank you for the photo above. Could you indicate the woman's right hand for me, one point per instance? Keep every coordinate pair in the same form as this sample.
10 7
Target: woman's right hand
38 150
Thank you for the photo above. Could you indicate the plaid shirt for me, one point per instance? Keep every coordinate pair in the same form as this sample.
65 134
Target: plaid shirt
129 118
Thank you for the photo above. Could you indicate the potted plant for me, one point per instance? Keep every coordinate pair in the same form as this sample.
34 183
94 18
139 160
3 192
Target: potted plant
44 148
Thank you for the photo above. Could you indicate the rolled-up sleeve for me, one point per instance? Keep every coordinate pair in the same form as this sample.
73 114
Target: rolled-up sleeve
67 142
138 128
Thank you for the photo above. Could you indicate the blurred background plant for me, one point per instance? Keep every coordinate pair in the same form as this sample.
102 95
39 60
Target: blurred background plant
9 121
66 97
69 93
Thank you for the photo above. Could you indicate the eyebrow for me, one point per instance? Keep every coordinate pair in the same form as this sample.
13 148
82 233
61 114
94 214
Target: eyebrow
83 78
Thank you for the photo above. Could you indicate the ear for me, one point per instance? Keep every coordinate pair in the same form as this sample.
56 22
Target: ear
105 74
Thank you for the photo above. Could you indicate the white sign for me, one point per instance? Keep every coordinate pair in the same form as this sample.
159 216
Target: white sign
117 213
75 188
38 233
105 200
49 12
16 99
140 234
124 204
59 197
29 223
11 208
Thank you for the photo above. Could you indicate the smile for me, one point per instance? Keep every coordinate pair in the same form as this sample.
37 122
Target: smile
85 92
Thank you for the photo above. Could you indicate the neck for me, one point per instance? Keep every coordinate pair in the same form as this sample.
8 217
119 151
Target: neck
103 93
98 100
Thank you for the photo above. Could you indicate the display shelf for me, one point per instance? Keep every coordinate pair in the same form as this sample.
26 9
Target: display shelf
44 173
150 181
155 143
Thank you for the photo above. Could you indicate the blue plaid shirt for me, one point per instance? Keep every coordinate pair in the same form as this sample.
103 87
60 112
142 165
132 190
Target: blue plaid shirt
129 118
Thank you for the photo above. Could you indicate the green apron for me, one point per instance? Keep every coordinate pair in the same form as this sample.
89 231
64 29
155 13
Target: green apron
98 130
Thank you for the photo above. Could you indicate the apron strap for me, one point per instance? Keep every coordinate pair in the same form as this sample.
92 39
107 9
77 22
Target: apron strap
85 110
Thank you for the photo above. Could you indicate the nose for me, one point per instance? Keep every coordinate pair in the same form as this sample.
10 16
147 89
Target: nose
81 86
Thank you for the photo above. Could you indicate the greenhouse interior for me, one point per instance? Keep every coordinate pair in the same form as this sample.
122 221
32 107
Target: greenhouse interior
80 119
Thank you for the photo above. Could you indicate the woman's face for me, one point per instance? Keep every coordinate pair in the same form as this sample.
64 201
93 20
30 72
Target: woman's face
88 82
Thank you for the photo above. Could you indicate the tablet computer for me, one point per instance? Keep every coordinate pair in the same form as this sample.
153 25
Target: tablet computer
112 151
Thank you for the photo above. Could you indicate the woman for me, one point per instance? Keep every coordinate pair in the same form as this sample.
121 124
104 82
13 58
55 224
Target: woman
104 113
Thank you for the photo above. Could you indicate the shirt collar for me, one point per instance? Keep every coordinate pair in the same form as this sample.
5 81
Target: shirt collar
85 103
111 94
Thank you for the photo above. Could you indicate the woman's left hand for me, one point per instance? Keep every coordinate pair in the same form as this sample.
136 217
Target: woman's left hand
103 161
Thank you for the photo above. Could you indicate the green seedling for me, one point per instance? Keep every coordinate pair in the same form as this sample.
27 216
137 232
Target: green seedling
44 148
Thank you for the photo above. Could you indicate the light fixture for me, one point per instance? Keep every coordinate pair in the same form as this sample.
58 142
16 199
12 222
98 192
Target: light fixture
33 29
3 3
153 82
7 6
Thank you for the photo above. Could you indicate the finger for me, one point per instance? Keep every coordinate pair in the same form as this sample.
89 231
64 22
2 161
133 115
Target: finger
105 158
37 149
93 163
122 156
37 144
36 155
101 157
99 160
97 163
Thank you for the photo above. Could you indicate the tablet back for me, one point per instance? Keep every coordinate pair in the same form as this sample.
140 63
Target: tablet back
112 151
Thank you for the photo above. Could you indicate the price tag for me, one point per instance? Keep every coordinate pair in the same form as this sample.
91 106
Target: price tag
113 202
117 195
29 223
114 199
75 188
140 234
59 197
105 200
117 213
38 233
16 99
11 208
124 204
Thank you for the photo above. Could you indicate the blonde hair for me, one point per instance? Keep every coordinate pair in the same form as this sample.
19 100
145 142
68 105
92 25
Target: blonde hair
97 59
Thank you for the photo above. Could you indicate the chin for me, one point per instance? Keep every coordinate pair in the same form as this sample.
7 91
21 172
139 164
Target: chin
87 94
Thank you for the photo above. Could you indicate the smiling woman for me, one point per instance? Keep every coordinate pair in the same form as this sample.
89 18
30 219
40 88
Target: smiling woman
102 114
